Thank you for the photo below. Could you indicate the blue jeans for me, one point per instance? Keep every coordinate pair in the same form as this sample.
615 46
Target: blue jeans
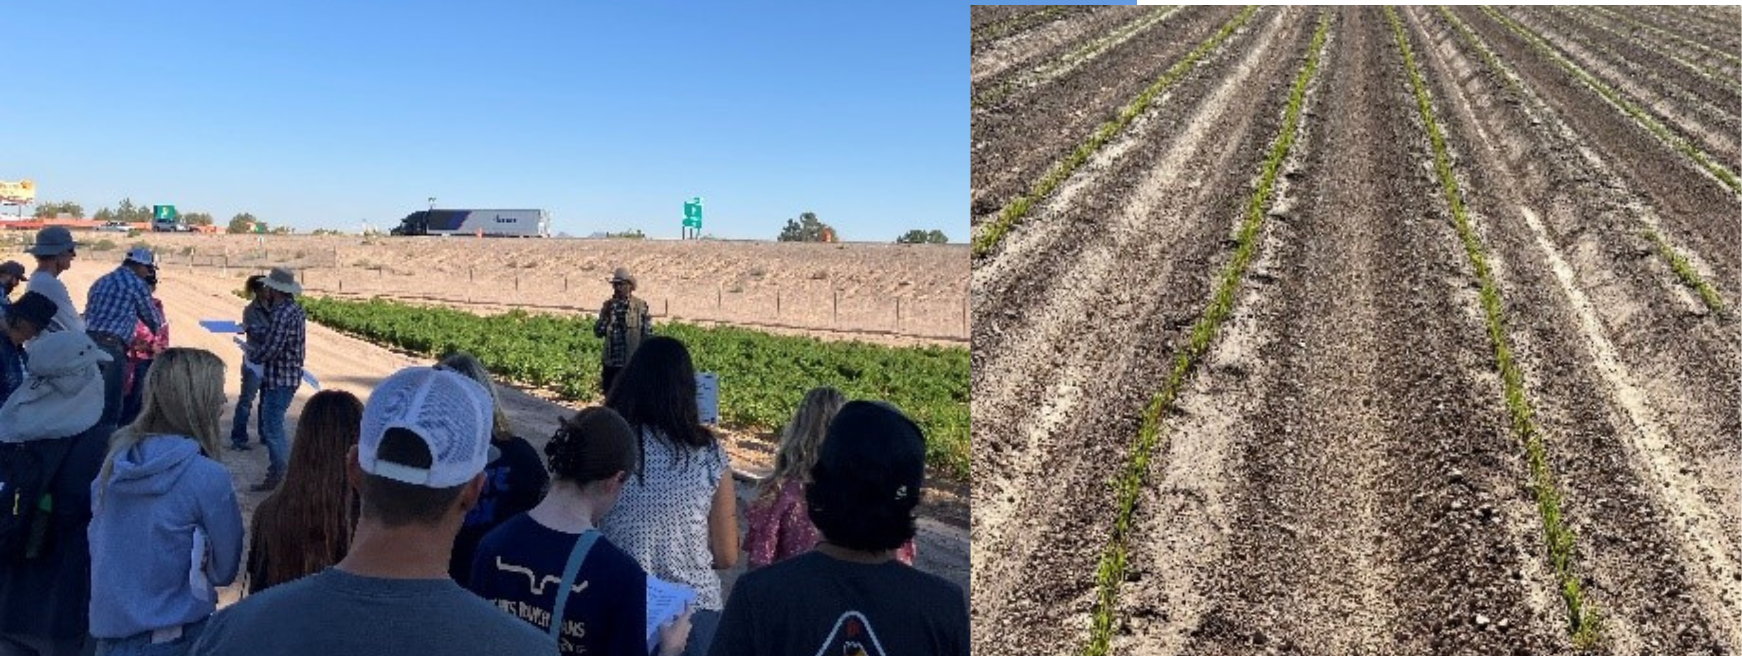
703 623
239 427
141 645
274 403
114 374
130 402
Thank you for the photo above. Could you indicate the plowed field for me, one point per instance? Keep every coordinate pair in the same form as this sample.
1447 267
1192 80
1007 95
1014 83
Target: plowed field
1357 330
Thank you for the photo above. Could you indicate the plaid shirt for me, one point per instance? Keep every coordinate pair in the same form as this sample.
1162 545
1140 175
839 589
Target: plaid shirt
119 300
614 314
280 354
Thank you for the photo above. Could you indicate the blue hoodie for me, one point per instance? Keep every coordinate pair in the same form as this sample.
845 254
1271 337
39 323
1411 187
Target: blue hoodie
142 532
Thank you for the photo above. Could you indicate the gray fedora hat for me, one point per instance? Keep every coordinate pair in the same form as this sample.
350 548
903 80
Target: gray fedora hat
52 240
282 280
622 274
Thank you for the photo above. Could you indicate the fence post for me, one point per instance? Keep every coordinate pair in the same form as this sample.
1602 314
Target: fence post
898 314
717 288
565 283
777 302
837 307
667 308
516 277
469 272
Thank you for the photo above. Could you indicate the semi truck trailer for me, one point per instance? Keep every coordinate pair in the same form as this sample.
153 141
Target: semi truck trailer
485 223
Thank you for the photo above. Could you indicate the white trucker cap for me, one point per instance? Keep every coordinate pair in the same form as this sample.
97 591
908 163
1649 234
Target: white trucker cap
452 413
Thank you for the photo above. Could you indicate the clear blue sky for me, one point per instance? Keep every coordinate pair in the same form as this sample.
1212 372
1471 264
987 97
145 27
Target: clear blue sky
610 115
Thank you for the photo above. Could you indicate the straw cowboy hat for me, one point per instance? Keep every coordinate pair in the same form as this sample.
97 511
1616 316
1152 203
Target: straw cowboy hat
622 275
282 280
63 396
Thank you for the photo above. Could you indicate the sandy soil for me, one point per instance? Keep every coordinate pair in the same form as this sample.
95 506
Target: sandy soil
887 293
342 362
1340 476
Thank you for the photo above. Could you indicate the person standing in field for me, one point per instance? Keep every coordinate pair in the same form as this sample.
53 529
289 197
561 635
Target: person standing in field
514 480
280 358
306 526
418 465
849 595
254 325
625 323
166 528
22 322
11 273
147 343
52 429
591 455
118 302
54 251
780 524
678 515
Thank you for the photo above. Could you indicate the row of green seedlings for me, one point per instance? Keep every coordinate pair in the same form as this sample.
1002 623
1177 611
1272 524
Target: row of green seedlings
1676 260
1628 67
1640 116
1709 73
1071 60
1720 52
1017 23
1584 624
1111 571
1017 209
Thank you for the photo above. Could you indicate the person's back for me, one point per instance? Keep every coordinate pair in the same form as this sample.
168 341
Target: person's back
418 467
604 617
336 612
662 518
819 604
66 317
49 596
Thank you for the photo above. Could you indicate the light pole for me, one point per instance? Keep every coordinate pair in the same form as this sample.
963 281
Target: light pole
432 203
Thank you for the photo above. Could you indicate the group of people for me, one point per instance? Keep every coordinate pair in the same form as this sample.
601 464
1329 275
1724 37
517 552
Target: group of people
419 522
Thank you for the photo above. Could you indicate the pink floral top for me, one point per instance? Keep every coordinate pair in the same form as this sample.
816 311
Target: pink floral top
780 527
141 334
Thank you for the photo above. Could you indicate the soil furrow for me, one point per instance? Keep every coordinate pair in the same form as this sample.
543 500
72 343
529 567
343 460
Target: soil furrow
1694 105
1119 27
1682 194
1036 47
1355 460
1689 55
1019 23
1722 37
1014 145
1090 392
1638 563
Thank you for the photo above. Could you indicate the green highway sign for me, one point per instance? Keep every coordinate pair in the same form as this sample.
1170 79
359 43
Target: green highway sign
692 213
163 212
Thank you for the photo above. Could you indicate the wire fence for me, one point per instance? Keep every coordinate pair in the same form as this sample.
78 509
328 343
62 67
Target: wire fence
817 305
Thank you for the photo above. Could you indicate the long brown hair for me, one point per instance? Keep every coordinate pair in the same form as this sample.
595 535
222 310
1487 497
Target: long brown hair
307 524
801 438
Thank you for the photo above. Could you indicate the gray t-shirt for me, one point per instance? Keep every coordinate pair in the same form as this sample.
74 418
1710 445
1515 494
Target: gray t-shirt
66 317
336 613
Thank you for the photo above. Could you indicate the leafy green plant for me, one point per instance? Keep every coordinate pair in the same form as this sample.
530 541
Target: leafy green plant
1110 573
1644 119
1017 209
762 377
1584 623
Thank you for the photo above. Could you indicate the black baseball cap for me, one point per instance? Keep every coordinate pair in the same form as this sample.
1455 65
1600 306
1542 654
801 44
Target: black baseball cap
874 455
33 307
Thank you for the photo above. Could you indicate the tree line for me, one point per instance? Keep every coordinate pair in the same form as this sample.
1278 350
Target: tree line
807 227
127 211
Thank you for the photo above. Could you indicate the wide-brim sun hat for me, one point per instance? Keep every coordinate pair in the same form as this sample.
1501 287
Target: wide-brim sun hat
141 255
52 240
622 275
282 280
63 396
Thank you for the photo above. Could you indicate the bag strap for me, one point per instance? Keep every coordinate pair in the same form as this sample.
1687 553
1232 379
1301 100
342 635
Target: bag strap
582 546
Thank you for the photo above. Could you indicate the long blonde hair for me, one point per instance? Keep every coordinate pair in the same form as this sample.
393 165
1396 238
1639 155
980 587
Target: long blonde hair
802 438
183 395
465 364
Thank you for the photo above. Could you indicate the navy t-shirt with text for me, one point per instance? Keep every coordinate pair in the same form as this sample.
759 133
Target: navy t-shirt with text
519 567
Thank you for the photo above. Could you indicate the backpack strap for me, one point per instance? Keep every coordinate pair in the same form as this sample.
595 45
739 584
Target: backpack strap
582 546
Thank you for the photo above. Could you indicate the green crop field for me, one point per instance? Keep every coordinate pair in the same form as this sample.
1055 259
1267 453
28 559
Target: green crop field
762 377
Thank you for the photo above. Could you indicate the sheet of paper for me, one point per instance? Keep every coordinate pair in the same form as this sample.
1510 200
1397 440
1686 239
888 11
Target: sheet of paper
221 325
665 602
197 576
708 397
306 376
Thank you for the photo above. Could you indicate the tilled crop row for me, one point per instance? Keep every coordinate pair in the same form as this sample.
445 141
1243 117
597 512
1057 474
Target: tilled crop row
1069 412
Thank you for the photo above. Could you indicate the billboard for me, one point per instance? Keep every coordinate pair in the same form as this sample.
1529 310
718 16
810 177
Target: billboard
17 193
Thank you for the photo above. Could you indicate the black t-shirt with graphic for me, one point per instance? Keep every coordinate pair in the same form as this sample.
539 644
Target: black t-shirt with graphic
815 604
519 567
513 484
